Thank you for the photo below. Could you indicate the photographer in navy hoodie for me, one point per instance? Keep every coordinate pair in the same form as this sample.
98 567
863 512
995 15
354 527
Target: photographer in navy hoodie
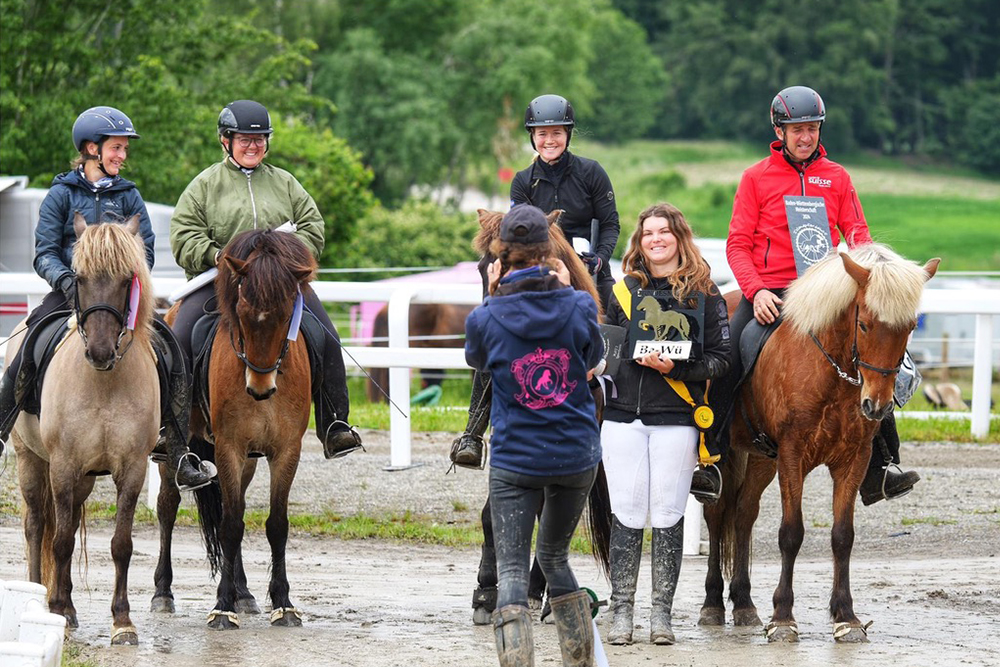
539 338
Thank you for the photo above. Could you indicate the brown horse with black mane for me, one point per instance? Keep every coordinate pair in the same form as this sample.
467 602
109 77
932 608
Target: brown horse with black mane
819 388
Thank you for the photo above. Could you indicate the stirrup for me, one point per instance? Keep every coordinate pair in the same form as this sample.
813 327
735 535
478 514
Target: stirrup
709 497
885 478
205 467
347 450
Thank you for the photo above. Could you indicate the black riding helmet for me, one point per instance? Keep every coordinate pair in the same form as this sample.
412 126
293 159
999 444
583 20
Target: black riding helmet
549 110
797 104
98 123
244 117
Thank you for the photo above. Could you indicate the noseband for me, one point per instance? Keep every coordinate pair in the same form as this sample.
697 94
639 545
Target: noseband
855 359
123 318
293 331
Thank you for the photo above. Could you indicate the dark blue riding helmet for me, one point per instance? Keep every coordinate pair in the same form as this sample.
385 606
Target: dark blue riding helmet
98 122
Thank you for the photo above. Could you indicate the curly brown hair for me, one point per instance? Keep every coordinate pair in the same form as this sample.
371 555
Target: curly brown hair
693 273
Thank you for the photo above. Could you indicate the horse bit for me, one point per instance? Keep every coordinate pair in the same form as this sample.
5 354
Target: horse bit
123 318
855 359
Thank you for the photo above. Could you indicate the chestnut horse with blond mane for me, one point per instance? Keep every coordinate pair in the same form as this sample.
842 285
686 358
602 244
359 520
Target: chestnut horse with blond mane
820 386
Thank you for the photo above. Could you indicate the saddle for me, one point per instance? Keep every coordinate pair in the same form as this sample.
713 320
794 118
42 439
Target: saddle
39 345
755 335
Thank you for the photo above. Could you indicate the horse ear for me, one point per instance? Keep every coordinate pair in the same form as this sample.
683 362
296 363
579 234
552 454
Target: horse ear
931 267
79 223
302 275
237 266
554 216
855 270
132 225
484 215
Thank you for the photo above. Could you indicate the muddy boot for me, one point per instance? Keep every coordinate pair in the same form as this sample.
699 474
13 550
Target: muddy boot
8 408
668 550
468 450
880 482
512 630
706 484
626 554
575 627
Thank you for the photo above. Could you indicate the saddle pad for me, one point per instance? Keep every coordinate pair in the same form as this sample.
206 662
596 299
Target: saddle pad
41 344
202 337
752 341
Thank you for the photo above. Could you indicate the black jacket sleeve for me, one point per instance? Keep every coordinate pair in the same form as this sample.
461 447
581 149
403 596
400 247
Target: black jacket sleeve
520 188
603 199
715 360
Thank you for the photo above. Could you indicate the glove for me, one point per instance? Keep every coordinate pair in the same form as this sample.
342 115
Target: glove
67 285
592 261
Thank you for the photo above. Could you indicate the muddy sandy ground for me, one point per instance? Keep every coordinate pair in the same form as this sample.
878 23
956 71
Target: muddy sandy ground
925 571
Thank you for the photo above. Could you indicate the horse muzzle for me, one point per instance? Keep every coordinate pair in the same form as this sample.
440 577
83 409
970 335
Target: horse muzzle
261 396
873 411
100 363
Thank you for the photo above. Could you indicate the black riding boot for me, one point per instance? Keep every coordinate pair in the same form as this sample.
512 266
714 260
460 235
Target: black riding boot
668 552
706 484
880 482
175 386
467 451
626 554
8 407
329 390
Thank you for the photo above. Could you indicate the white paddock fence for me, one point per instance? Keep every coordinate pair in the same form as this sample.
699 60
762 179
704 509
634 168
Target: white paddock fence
29 635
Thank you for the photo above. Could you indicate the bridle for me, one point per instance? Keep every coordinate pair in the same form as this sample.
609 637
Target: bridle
123 317
293 331
855 358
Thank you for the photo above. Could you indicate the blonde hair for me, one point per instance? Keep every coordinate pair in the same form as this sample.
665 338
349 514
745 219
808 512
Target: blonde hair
692 274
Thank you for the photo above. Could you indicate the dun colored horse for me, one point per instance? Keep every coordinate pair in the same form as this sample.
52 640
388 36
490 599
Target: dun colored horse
259 398
99 414
819 388
599 502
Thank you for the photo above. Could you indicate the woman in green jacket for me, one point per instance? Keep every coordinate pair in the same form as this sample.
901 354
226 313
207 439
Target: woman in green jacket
243 192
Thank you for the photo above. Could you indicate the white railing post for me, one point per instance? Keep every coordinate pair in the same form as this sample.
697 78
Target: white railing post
982 375
399 379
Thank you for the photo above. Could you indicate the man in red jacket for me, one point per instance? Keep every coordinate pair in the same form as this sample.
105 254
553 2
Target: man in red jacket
761 255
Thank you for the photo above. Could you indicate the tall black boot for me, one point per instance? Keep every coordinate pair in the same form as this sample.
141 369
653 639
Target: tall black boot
668 552
8 408
329 389
626 554
575 627
175 383
468 450
880 482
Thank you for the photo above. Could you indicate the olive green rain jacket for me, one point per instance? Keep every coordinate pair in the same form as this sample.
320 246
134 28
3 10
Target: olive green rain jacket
223 200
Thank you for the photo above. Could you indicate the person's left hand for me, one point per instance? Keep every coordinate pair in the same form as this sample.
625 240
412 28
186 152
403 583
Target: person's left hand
592 261
561 271
493 273
656 362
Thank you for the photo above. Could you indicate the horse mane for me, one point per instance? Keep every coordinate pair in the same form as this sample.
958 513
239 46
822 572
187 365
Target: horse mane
275 257
489 229
818 298
109 250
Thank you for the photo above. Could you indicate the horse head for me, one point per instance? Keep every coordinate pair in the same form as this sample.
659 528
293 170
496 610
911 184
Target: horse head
259 287
885 315
110 264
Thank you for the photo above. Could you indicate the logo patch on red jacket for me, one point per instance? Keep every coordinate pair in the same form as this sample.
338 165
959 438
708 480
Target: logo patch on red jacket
820 182
542 376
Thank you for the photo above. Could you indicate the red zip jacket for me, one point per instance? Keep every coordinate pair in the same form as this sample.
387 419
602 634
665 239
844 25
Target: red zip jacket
759 247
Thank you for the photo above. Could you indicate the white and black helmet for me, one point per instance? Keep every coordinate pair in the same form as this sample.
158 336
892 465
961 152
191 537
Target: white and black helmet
96 123
244 117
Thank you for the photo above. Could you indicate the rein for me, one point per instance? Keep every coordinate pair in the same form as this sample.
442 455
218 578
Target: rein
125 319
855 358
294 321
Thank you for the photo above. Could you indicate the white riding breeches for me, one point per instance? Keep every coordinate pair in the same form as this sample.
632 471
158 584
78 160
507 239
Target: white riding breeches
649 471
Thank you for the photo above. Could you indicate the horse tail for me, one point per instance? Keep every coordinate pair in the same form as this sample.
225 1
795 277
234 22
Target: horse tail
733 472
209 502
379 377
48 561
599 520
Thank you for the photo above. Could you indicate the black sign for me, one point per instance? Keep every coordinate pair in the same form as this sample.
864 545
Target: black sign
809 228
659 324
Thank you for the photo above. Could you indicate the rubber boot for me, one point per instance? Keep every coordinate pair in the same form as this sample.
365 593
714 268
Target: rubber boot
468 449
515 642
329 389
8 408
880 482
190 472
575 628
668 550
626 554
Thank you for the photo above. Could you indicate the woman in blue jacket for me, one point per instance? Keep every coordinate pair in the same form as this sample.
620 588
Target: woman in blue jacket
95 189
539 338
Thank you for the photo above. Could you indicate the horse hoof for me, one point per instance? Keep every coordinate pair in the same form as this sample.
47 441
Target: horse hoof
481 616
223 620
162 604
712 616
787 633
71 621
850 633
126 636
286 617
247 606
744 617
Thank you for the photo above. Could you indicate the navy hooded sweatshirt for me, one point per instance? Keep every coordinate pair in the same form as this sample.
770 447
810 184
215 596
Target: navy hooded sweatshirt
539 345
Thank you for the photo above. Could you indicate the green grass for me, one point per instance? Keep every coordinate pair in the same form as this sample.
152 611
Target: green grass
71 656
929 520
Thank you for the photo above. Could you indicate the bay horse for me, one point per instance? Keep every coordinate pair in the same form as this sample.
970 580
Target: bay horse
99 414
599 501
819 389
259 399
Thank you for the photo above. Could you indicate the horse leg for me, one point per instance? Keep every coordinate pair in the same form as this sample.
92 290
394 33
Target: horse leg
283 467
484 598
759 473
846 626
129 484
167 502
713 609
230 466
67 513
33 478
783 627
246 603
